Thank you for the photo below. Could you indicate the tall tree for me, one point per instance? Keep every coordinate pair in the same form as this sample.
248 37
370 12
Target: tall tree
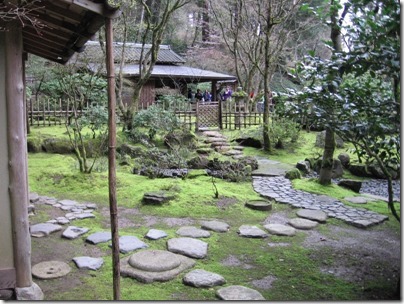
156 16
255 33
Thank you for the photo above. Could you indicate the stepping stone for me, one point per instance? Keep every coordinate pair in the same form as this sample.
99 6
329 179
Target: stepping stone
62 220
200 278
67 203
216 226
193 232
73 232
188 246
99 237
314 215
251 232
213 134
263 205
91 206
148 266
233 152
33 197
155 234
44 229
50 270
128 243
81 216
89 263
279 229
239 293
357 199
304 224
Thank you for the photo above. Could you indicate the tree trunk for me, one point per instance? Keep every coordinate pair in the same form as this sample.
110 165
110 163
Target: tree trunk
328 155
203 4
329 147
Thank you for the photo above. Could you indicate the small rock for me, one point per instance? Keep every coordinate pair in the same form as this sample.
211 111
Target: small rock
300 223
190 231
157 198
188 246
89 263
155 234
128 243
200 278
216 226
279 229
67 203
239 293
73 232
33 197
251 232
44 229
314 215
99 237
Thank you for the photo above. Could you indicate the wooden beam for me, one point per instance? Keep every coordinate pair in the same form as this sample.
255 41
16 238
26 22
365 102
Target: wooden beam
17 155
98 8
113 210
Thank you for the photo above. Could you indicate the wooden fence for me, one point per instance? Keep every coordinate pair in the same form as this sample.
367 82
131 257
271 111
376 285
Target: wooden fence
196 116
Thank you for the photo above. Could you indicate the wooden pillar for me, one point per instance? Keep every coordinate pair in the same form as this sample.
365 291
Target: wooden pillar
17 155
111 156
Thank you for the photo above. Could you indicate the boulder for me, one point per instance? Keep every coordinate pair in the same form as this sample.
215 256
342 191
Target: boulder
157 198
320 140
132 151
337 170
249 142
57 145
351 184
359 170
293 174
303 166
345 159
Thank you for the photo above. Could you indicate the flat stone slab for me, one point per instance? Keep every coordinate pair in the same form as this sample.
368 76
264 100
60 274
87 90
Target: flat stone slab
50 270
67 202
314 215
128 243
280 229
188 246
251 232
304 224
358 199
239 293
193 232
267 167
84 215
85 262
73 232
216 226
99 237
33 197
201 278
155 234
213 134
148 266
44 229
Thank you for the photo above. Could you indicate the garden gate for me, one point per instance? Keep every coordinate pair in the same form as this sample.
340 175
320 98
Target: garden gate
208 115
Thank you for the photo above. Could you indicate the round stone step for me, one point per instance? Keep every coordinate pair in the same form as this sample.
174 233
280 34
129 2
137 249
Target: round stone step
50 270
304 224
239 293
154 260
263 205
279 229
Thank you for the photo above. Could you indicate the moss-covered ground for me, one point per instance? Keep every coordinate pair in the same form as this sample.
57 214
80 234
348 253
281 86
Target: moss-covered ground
297 273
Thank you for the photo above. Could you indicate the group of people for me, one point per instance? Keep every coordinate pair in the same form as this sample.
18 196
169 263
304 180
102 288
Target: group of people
206 96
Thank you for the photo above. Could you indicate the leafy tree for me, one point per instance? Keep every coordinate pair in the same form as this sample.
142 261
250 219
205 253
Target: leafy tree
356 93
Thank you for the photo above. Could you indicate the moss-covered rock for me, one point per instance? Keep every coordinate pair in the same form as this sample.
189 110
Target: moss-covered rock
34 144
293 174
57 145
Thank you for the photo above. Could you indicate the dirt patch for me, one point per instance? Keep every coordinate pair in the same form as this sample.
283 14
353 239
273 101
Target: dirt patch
225 202
232 260
264 283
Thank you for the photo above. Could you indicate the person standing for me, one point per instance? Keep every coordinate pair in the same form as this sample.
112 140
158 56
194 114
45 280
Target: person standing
198 95
207 96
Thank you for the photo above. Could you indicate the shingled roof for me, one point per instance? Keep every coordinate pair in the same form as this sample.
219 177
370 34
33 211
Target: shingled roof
94 53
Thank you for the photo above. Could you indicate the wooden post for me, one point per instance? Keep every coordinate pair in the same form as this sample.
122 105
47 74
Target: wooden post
17 151
111 156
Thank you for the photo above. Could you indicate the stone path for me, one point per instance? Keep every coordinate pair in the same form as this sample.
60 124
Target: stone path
280 189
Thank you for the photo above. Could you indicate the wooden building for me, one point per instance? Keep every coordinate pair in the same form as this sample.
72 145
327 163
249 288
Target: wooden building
169 71
54 30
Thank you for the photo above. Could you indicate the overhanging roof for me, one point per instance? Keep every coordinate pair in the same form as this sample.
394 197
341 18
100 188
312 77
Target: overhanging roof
178 72
67 26
94 53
